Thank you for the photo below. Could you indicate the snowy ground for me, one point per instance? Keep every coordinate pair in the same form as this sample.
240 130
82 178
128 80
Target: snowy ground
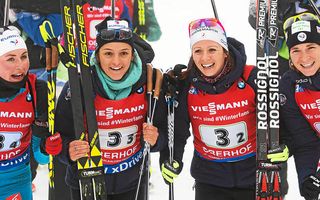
173 48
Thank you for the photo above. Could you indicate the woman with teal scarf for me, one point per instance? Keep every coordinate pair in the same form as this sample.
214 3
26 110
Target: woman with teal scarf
119 75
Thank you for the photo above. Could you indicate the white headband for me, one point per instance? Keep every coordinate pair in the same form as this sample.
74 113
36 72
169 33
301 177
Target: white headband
11 40
215 34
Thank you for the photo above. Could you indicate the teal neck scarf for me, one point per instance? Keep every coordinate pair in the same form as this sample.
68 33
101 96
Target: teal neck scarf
119 89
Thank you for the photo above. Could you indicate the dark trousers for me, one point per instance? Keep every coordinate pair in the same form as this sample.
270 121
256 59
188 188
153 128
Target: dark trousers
209 192
129 195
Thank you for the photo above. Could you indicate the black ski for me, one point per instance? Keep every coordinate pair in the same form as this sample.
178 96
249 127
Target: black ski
90 169
139 18
267 177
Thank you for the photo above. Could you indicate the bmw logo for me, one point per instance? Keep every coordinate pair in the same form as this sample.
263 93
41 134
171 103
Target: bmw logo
140 90
29 97
241 84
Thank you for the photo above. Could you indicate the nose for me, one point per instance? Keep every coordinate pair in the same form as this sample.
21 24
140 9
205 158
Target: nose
304 56
116 60
205 56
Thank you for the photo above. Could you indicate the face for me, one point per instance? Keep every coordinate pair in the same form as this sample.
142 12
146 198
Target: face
209 57
306 58
14 65
115 59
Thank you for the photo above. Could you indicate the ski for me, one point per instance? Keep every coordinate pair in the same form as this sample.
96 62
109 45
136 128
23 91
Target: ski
262 115
139 18
274 97
267 175
90 169
6 12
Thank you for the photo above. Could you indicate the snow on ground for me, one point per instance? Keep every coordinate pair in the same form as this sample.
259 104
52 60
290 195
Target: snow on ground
173 48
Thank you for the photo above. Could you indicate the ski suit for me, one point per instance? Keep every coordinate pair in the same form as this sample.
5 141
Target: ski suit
17 118
223 161
300 116
121 161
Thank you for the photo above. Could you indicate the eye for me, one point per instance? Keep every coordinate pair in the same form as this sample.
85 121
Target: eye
108 53
197 51
212 50
23 57
11 59
124 53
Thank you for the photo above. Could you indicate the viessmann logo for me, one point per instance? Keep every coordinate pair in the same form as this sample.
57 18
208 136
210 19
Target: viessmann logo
311 106
212 107
110 112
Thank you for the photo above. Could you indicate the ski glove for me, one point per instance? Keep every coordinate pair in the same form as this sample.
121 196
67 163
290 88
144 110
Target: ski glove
280 154
54 144
170 171
311 187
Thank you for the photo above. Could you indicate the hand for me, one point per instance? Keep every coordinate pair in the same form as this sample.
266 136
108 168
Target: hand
78 149
280 154
311 187
54 144
171 79
170 171
150 133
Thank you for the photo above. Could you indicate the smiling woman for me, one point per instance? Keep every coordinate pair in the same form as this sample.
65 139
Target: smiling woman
300 91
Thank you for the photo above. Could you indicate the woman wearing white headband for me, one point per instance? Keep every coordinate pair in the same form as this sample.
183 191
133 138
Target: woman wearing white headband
23 114
217 96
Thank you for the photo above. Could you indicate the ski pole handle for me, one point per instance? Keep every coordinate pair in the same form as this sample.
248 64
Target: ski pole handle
157 87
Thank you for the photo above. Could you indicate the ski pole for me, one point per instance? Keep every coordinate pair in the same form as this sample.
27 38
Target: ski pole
170 118
6 12
113 8
214 7
49 38
314 7
146 145
151 110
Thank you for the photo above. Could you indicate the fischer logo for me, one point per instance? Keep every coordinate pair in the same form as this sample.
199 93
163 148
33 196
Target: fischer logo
212 107
110 112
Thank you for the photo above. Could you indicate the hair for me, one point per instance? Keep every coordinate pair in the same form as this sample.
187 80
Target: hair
229 61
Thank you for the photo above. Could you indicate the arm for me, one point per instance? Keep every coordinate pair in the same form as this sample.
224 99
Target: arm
302 141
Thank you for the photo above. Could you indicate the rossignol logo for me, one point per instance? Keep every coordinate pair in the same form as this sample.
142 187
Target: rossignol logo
7 114
261 31
110 112
212 107
273 28
274 97
311 106
262 94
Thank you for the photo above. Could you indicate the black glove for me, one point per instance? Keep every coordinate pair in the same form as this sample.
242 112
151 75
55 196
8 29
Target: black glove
311 187
170 171
171 78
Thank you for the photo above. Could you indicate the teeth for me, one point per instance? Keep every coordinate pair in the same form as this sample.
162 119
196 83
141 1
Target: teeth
115 68
208 65
307 65
17 75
